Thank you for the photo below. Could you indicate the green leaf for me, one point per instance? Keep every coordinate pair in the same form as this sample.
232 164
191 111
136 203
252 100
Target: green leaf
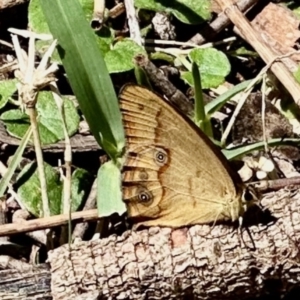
242 51
16 121
109 190
187 11
162 56
13 115
38 24
297 74
82 182
87 73
120 58
213 64
37 19
49 119
7 89
30 193
104 39
296 11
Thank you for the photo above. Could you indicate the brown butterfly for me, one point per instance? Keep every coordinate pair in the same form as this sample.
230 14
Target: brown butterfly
174 175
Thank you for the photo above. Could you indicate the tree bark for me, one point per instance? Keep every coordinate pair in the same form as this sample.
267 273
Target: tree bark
200 262
31 283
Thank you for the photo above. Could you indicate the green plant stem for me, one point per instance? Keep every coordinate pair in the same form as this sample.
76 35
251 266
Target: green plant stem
67 186
199 104
142 78
40 160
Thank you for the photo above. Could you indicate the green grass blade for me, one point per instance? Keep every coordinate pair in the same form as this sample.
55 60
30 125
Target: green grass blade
243 150
87 73
200 117
14 162
199 104
218 102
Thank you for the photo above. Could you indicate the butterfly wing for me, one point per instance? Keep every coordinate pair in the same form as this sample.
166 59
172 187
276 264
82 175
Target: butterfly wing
173 175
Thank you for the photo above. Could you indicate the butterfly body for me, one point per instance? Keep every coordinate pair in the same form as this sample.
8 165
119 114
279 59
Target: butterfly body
173 175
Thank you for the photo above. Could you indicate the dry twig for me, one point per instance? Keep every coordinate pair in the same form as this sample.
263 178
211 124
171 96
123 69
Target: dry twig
162 83
221 22
49 222
133 24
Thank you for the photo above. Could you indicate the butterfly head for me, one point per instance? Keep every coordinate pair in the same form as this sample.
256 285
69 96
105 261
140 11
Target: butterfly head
249 197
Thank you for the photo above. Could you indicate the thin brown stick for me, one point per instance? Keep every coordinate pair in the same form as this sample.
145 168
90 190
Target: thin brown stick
276 184
80 228
48 222
221 22
133 24
98 14
117 10
19 217
162 83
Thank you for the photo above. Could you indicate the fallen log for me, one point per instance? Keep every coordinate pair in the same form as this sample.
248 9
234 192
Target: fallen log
200 262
